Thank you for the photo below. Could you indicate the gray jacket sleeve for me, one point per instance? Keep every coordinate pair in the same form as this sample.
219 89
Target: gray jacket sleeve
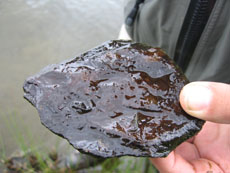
158 23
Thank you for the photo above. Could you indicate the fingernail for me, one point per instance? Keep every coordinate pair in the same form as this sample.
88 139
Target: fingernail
196 97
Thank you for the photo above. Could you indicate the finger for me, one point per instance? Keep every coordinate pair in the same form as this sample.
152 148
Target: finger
207 100
188 151
173 163
204 165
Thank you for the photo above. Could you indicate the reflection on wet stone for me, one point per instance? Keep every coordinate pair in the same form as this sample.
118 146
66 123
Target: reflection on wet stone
120 98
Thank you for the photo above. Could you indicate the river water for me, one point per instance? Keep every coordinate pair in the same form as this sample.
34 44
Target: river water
34 34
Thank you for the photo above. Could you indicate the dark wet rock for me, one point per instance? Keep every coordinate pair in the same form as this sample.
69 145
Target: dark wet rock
118 99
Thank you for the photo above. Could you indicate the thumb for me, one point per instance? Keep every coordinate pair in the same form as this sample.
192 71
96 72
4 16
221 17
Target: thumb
207 100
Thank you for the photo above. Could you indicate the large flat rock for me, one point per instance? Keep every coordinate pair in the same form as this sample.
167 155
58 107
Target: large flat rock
117 99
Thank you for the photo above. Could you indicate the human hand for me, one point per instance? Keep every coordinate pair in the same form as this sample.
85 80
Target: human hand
209 151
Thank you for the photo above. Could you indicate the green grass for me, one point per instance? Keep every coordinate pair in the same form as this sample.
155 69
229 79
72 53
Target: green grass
2 150
25 143
128 164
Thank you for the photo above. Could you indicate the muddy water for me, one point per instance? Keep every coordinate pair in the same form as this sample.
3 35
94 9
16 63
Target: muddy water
33 34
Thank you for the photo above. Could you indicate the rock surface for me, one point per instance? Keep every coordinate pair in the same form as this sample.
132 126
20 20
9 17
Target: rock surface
117 99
